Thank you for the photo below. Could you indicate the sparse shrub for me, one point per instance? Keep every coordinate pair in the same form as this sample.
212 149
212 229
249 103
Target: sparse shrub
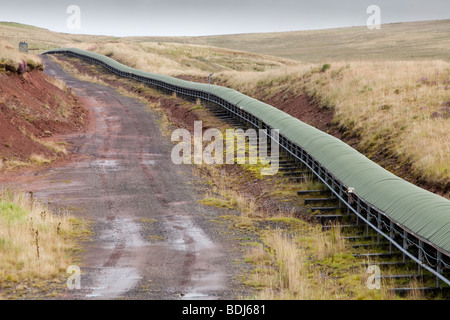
325 67
38 159
436 115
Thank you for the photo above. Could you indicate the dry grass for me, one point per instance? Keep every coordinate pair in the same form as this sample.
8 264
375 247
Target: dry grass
39 159
68 67
56 147
397 41
41 38
10 58
222 195
34 242
399 107
176 59
429 40
287 271
59 84
311 264
403 106
11 164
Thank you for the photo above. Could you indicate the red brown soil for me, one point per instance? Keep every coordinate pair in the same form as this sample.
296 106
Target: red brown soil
30 105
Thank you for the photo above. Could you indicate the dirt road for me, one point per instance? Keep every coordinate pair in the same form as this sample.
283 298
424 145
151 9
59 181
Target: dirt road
149 240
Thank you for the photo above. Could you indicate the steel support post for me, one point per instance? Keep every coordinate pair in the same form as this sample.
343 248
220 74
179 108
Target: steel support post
368 219
438 266
379 228
391 235
405 244
420 255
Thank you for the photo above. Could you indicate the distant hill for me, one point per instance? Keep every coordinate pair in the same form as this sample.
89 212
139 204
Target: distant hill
41 38
395 41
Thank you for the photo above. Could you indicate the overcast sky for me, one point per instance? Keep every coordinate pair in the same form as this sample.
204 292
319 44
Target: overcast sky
208 17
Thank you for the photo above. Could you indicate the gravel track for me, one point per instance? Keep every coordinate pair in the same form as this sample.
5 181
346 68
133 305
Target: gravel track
152 239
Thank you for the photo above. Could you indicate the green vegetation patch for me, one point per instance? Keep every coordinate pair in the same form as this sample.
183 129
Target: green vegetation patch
217 202
10 212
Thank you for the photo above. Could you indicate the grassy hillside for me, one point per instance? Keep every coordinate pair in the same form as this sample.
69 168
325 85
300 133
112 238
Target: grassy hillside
11 59
396 41
178 59
41 38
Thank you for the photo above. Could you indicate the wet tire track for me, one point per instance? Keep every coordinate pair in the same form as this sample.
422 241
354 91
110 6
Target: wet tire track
159 189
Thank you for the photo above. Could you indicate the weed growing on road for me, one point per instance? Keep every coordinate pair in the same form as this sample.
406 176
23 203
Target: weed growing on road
39 159
57 147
